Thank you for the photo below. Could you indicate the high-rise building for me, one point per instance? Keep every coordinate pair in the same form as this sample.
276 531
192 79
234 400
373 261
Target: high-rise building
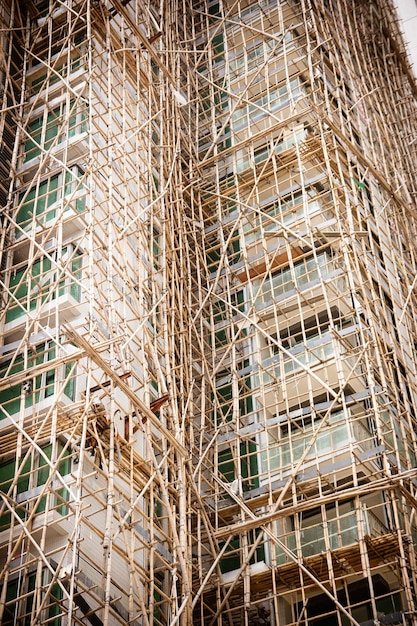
208 392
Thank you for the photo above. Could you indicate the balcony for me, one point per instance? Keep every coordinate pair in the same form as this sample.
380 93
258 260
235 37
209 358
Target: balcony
260 114
327 359
24 484
49 286
57 199
65 306
294 210
35 393
292 440
61 131
306 274
250 157
318 349
342 531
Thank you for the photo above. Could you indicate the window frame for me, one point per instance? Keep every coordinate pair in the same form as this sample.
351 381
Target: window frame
46 279
39 387
41 203
53 127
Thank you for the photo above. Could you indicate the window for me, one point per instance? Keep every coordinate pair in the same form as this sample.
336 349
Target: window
215 251
42 474
232 556
224 400
156 248
222 319
7 474
56 34
248 457
252 57
301 274
158 597
43 282
218 48
256 54
289 440
38 285
41 202
36 200
52 128
214 9
314 326
261 154
20 598
251 12
362 188
17 588
357 597
156 509
41 81
37 388
377 250
268 103
287 209
23 481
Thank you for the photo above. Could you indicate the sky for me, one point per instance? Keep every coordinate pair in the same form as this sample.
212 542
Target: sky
407 10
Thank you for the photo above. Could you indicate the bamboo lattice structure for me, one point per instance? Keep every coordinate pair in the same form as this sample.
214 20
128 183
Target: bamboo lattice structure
208 387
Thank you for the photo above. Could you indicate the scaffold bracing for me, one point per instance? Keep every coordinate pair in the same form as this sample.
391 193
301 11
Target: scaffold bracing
208 386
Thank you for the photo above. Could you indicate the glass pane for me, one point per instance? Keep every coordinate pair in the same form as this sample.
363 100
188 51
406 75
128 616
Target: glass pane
10 397
10 608
226 465
52 196
18 287
75 289
31 148
43 467
69 389
25 213
7 472
52 128
50 376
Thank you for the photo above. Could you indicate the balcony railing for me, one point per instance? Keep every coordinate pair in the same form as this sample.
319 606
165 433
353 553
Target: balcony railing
340 432
320 349
303 275
51 279
261 108
284 214
55 196
342 531
314 350
245 158
39 390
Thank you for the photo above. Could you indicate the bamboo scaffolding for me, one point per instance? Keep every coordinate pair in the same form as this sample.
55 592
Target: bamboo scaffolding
332 149
207 366
111 232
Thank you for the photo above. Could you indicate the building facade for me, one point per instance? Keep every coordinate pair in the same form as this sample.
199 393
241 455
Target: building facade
207 364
